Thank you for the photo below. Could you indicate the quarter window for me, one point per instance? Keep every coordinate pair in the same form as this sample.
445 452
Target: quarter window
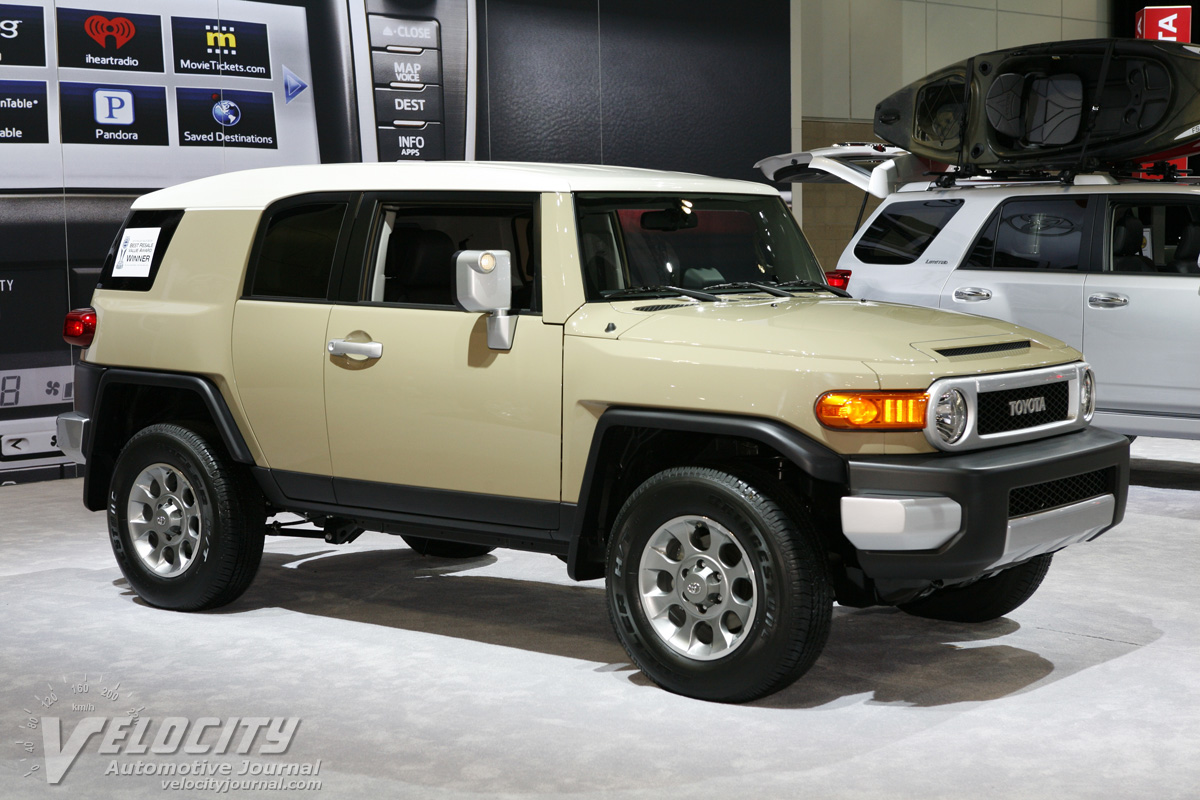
297 252
902 231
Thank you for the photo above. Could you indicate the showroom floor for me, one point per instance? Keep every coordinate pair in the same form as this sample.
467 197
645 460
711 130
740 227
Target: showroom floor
416 677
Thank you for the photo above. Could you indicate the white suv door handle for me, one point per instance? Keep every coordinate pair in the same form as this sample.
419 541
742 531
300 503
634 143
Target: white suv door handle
1108 301
971 294
340 347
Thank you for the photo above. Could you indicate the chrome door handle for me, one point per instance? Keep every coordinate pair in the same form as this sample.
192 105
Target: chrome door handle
340 347
1108 301
971 294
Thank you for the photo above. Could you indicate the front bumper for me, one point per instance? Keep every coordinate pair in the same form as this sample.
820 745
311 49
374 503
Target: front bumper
943 517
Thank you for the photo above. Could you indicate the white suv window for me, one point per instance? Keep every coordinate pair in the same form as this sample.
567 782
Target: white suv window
902 231
1032 234
1155 236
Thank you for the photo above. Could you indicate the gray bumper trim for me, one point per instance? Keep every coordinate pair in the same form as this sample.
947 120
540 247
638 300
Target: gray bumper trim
1052 530
72 430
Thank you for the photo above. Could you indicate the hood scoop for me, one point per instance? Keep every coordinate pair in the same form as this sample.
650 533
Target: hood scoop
983 349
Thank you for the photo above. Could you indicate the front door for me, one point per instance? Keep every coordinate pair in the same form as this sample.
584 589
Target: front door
423 417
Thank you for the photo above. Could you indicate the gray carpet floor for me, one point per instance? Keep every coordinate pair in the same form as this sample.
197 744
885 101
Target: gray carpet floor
417 677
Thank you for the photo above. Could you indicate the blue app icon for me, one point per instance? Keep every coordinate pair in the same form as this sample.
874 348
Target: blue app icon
113 106
226 112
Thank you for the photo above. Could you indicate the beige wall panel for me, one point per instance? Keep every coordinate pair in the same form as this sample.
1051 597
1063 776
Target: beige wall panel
1096 10
988 4
1052 8
956 33
914 24
1013 30
1084 29
825 42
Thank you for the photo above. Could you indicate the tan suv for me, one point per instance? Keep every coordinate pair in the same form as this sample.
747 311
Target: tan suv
642 373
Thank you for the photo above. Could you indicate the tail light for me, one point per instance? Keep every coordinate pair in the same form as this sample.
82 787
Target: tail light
838 278
80 326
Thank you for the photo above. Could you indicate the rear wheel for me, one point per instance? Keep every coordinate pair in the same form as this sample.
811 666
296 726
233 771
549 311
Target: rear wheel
986 599
185 522
442 549
714 590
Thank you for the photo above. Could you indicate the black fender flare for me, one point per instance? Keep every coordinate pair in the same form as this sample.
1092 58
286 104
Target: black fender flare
100 464
814 458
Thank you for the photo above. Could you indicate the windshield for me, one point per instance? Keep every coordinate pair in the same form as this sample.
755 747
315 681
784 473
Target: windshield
689 241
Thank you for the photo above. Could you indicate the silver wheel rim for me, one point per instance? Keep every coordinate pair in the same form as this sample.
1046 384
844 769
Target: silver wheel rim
697 588
164 520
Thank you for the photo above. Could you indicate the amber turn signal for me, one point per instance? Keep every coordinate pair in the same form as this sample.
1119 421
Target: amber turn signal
863 411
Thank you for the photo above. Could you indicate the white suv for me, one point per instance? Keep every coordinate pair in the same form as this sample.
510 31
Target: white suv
1109 266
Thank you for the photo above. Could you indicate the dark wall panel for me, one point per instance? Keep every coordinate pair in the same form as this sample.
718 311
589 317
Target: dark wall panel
694 85
542 99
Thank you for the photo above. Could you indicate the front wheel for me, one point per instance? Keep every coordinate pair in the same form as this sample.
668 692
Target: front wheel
986 599
714 591
185 522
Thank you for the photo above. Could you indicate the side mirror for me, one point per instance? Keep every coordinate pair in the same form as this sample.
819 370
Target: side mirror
483 281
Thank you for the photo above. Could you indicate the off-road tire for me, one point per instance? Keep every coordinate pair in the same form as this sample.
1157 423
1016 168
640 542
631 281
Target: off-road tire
986 599
792 603
222 506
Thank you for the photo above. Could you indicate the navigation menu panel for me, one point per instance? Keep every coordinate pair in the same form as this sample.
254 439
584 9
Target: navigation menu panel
22 36
406 70
109 40
23 112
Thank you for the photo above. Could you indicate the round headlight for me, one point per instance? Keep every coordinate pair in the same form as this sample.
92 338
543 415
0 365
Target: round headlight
1087 394
950 415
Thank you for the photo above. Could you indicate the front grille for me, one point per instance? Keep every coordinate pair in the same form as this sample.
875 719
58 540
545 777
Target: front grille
1062 492
984 349
1027 407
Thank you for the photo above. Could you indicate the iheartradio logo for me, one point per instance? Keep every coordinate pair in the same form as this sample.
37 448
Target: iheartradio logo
100 28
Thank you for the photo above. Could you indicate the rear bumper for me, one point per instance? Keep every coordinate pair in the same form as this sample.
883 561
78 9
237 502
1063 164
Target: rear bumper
942 517
72 429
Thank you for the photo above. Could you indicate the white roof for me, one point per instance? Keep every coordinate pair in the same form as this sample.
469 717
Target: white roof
258 188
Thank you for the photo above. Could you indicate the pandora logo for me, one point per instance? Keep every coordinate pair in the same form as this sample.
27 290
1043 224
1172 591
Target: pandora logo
1017 408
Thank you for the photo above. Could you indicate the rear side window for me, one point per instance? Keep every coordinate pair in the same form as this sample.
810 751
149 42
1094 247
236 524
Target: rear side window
137 252
1032 234
297 251
902 231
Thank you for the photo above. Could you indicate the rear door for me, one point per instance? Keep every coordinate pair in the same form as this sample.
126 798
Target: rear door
1029 264
1142 312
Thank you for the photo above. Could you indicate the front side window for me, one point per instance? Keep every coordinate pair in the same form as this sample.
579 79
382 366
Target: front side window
1154 236
901 232
1032 234
297 251
413 256
689 241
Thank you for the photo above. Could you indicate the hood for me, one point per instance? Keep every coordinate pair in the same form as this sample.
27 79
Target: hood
811 326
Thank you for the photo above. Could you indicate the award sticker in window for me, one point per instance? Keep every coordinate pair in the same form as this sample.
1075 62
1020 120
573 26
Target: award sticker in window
136 253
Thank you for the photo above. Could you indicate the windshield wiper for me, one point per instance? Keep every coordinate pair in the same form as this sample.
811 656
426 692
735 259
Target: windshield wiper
805 283
633 291
761 287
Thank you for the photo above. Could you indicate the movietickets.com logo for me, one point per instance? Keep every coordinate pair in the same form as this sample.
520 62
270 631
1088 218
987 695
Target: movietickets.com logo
195 740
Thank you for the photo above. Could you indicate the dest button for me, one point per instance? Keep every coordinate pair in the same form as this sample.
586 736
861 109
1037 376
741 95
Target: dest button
426 143
408 104
389 68
386 31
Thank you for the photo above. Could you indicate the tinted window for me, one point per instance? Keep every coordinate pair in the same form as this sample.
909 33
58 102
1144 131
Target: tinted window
690 241
1037 233
415 247
902 231
137 252
297 252
1155 236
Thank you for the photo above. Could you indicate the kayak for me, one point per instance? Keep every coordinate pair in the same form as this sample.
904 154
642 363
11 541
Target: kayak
1076 105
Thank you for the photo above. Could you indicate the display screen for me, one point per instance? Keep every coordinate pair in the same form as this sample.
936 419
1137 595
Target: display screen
139 94
41 386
